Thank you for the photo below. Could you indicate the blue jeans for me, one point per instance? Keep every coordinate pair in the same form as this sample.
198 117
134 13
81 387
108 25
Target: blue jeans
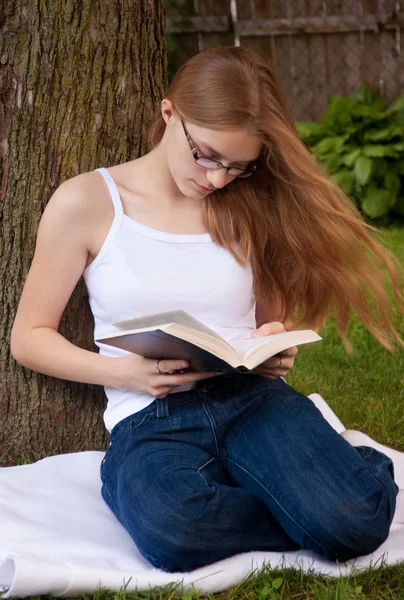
243 463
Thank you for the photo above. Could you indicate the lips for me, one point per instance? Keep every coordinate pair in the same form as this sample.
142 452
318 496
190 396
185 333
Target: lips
205 188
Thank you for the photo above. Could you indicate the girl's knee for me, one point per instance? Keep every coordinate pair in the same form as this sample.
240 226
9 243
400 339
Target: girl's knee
175 551
357 528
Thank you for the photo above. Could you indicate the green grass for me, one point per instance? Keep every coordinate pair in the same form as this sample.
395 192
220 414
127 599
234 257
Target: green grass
379 583
366 391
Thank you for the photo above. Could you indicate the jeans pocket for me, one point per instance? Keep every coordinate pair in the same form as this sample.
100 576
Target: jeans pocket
142 419
120 430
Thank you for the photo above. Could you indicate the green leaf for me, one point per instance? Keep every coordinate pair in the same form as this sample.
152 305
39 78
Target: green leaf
399 146
363 170
369 113
382 221
365 95
345 179
338 115
358 589
380 150
397 106
276 584
329 144
399 205
264 593
399 118
349 147
332 163
377 202
380 135
392 182
380 166
355 128
397 167
350 158
310 132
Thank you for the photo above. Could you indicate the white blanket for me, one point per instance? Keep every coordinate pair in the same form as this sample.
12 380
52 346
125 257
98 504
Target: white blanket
58 537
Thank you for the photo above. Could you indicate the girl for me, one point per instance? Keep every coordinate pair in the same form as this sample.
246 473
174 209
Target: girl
230 218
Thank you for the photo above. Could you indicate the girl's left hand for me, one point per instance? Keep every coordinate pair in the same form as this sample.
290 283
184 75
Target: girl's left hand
278 365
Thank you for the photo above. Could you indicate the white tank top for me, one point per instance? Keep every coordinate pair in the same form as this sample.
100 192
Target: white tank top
140 271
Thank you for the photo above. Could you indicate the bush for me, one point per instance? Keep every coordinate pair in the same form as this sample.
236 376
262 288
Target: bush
361 144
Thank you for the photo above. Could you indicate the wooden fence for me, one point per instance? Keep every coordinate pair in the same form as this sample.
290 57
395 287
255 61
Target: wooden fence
319 48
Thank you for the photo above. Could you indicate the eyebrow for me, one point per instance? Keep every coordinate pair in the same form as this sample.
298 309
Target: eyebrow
215 154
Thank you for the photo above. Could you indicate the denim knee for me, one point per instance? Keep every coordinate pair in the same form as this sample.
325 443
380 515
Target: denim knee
359 529
180 552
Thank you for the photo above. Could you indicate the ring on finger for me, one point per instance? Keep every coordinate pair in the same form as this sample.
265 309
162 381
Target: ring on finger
157 368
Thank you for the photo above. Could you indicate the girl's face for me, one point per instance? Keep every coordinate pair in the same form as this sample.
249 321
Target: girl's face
231 147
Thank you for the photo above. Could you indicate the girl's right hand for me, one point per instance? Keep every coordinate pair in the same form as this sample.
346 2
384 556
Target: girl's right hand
136 372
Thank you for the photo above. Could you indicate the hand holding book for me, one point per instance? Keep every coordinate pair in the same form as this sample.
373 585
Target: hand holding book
134 372
281 363
178 335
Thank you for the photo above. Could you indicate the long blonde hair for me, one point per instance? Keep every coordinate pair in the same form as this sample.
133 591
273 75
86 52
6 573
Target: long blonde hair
309 247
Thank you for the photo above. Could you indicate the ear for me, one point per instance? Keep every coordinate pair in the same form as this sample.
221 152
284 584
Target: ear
167 111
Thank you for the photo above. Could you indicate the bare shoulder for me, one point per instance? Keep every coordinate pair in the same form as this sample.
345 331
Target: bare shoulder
84 205
83 198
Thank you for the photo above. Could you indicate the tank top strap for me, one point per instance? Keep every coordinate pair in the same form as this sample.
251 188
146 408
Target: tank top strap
113 190
116 222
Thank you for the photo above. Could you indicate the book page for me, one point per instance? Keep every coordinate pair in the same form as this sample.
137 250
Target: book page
277 341
243 346
164 318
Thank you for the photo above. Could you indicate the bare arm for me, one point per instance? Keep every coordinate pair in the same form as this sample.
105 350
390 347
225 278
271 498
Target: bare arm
60 257
61 253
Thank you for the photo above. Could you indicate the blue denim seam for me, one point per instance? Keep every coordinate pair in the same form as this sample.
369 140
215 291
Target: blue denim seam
132 428
202 467
112 501
370 452
213 428
280 506
180 403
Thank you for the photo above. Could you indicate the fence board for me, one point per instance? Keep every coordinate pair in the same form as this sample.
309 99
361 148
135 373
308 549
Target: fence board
370 6
386 85
319 48
298 26
316 55
283 67
245 9
213 7
214 40
277 9
187 9
371 63
354 49
259 45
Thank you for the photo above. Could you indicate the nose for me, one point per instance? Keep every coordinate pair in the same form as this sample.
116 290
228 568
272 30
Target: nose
218 177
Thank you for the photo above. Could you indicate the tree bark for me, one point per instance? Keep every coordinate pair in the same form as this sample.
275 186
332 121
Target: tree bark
79 82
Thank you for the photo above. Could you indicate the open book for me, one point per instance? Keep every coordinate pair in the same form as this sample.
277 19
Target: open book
178 335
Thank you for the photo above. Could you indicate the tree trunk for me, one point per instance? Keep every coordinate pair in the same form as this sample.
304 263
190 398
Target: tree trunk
79 82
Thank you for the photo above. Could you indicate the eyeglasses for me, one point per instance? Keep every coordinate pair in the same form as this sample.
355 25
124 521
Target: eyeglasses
209 163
